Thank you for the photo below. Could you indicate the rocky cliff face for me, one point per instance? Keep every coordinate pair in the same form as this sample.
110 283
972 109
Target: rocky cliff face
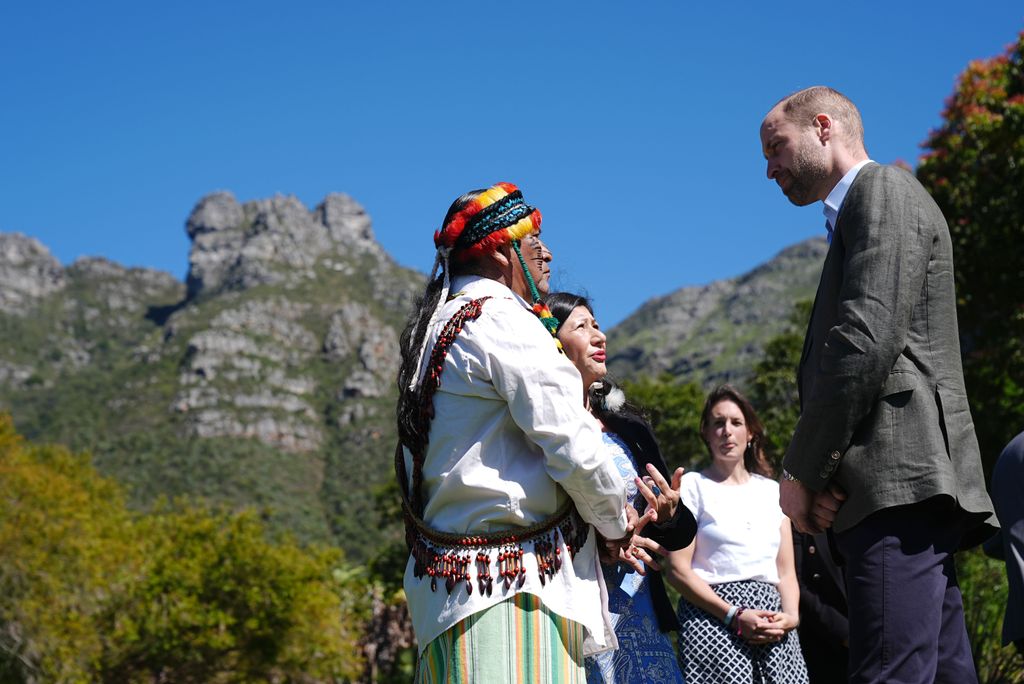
28 273
283 341
273 242
56 320
250 371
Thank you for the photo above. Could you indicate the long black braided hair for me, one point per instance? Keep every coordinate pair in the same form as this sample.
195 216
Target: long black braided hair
411 340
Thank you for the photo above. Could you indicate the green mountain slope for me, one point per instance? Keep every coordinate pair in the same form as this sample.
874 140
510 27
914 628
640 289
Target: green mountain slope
267 378
715 333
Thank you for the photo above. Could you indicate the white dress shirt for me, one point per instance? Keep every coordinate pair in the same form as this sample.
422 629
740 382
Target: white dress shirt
834 202
510 439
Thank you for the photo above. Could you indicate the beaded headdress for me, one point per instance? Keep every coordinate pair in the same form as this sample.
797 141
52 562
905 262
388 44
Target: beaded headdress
495 217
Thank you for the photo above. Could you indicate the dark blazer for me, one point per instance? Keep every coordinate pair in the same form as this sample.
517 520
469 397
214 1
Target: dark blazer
823 624
883 408
673 534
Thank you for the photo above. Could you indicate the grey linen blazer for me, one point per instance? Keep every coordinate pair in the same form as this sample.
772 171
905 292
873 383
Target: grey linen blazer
883 408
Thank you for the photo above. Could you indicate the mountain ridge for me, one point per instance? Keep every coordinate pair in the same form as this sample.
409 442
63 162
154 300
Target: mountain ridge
714 333
266 378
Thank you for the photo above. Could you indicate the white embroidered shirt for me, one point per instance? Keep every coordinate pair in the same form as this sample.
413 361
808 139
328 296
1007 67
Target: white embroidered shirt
510 440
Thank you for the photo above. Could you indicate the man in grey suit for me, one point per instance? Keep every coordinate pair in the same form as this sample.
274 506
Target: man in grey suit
884 453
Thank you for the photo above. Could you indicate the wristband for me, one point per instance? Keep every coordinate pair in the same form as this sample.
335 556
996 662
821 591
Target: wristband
730 615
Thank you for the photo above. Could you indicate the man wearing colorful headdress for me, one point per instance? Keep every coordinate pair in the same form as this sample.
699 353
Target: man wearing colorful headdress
501 468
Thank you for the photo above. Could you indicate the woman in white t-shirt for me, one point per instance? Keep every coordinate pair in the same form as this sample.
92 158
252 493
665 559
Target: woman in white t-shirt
740 598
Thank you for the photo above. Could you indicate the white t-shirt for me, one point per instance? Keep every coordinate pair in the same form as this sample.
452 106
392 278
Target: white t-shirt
738 528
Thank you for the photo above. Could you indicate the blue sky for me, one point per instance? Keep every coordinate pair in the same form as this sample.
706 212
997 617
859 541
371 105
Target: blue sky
632 126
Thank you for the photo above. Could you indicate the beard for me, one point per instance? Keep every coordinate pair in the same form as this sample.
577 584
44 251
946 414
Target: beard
807 174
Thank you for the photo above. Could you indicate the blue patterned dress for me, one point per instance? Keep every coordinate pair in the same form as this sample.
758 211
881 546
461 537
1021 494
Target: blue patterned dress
645 653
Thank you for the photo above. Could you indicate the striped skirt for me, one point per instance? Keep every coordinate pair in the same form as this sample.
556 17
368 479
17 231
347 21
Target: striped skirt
711 654
517 641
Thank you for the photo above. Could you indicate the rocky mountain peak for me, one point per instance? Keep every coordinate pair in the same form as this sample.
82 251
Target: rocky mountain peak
267 379
347 222
28 272
218 211
272 241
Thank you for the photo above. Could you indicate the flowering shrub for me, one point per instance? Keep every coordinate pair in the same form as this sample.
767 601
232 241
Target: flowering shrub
973 166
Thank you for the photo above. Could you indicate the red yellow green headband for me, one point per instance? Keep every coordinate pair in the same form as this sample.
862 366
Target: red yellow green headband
495 217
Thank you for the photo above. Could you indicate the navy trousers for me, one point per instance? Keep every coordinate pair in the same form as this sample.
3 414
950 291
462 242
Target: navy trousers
905 609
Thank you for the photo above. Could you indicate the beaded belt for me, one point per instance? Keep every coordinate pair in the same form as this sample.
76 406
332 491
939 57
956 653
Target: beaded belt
441 554
449 556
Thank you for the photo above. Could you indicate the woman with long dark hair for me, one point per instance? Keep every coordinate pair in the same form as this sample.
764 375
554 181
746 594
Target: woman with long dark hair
637 601
740 599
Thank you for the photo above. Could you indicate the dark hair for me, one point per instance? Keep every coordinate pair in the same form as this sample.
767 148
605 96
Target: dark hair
801 107
562 304
412 339
754 458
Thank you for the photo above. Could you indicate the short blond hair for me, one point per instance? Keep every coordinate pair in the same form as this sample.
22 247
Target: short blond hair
801 107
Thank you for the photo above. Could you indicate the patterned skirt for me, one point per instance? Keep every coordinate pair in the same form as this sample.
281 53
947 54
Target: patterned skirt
517 641
711 654
645 654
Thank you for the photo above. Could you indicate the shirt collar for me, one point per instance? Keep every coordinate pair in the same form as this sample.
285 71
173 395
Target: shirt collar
479 286
834 201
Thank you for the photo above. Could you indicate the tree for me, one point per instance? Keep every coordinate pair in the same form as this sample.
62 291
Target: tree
974 168
66 546
216 601
983 585
674 411
92 592
774 390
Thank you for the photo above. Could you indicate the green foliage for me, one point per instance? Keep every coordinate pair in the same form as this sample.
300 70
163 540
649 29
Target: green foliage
983 584
216 602
391 629
974 168
90 592
358 461
715 333
674 411
66 546
387 565
106 378
773 388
